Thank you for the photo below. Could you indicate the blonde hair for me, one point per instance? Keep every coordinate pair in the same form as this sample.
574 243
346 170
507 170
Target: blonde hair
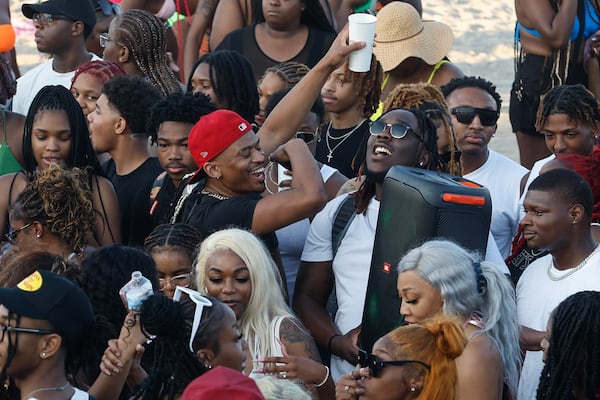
266 299
436 342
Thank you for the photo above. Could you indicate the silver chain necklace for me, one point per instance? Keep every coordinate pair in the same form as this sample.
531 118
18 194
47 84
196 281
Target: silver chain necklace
570 271
214 195
343 139
48 389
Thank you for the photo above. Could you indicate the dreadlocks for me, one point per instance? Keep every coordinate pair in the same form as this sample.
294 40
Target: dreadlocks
430 100
367 85
144 35
427 136
239 94
573 357
578 103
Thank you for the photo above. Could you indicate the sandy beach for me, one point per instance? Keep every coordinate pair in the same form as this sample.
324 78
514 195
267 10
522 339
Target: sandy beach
483 46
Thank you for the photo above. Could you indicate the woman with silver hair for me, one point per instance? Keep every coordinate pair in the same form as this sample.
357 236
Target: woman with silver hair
442 277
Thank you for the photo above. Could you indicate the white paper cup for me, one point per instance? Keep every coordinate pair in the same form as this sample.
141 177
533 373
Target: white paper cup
361 28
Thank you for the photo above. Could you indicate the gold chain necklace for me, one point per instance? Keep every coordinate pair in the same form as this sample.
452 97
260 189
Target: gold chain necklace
342 137
570 271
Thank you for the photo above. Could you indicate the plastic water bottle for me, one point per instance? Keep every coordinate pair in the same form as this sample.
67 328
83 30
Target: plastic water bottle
138 289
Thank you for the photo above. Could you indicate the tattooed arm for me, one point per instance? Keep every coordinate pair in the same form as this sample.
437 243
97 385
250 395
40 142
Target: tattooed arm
300 360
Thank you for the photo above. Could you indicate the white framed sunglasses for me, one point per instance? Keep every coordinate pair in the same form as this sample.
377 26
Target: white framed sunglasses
200 302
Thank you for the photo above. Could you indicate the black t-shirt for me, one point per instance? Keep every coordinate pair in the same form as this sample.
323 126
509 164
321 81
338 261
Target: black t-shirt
133 192
209 214
345 151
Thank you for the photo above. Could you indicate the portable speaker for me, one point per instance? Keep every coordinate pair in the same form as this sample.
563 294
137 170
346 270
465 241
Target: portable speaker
418 205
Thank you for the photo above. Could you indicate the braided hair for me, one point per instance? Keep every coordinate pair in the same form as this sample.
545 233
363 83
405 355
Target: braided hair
290 72
144 35
179 235
232 80
427 136
573 357
61 200
58 98
102 70
431 101
575 101
178 107
8 82
175 366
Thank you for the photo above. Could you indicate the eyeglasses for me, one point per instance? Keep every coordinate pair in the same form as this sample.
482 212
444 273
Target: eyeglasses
9 328
12 236
375 364
108 7
398 129
466 115
182 280
104 39
47 19
200 302
308 137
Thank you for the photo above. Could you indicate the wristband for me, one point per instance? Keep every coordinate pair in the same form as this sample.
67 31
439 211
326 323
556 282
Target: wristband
330 341
326 375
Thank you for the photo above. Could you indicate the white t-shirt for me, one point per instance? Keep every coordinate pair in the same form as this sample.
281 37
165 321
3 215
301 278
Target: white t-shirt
537 297
502 178
352 264
78 395
534 173
33 80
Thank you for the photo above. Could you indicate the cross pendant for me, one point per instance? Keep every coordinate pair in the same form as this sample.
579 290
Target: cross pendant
329 157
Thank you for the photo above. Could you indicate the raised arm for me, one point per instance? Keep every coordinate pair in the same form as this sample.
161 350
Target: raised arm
554 26
305 198
297 103
201 21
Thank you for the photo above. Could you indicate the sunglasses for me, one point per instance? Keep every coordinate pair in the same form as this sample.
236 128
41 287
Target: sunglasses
46 19
108 7
12 236
200 302
466 115
398 129
375 364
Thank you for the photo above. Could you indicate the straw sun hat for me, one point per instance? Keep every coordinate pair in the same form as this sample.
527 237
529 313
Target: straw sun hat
400 33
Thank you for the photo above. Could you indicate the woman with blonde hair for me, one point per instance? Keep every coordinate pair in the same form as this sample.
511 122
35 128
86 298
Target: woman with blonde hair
235 267
411 362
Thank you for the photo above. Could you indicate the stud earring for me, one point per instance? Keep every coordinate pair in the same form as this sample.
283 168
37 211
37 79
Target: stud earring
39 235
413 389
422 163
43 355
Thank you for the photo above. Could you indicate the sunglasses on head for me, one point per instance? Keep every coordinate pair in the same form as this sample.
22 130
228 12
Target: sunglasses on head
200 302
375 364
108 7
466 115
398 129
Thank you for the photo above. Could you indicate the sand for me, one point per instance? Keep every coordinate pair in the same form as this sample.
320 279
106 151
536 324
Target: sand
483 46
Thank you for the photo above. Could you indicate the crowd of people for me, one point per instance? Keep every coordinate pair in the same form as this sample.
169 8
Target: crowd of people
226 151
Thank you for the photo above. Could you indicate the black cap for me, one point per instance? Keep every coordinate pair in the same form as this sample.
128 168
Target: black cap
77 10
51 297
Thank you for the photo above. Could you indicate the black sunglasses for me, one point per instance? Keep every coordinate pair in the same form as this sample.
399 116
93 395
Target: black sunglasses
398 129
308 137
466 115
375 364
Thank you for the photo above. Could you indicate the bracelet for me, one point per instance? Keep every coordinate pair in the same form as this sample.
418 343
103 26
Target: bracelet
331 341
326 376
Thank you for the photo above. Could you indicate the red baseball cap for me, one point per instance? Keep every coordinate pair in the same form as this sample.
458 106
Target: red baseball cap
212 134
222 383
